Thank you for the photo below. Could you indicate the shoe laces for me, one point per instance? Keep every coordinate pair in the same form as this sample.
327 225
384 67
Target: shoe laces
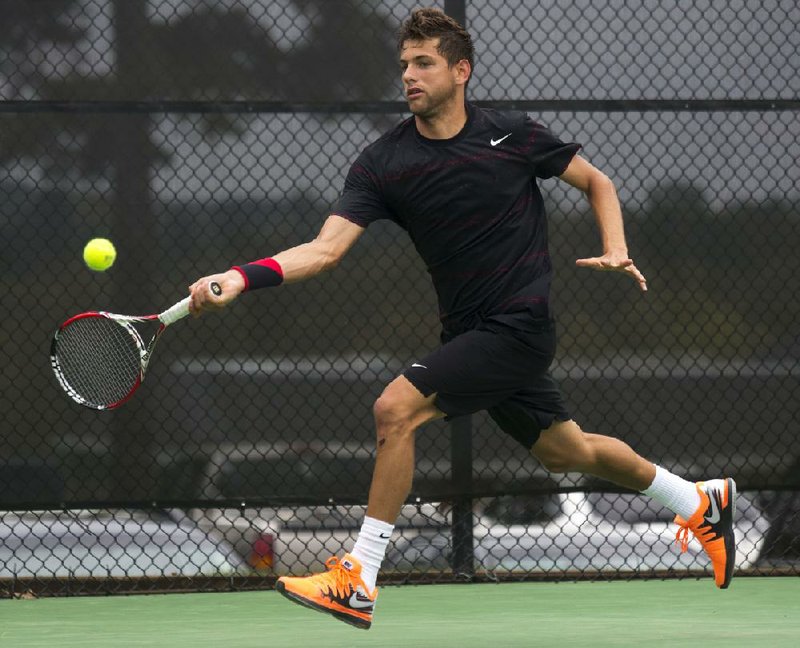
338 577
682 536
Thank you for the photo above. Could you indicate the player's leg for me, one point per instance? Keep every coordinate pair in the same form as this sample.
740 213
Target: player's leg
564 447
471 372
706 508
347 590
399 411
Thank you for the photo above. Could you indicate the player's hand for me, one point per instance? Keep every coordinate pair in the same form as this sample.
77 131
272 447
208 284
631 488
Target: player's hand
611 262
204 299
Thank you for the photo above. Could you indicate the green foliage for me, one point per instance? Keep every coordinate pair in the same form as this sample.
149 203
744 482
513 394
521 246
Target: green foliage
208 54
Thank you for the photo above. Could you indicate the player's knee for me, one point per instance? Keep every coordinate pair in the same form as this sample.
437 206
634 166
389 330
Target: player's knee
401 409
391 413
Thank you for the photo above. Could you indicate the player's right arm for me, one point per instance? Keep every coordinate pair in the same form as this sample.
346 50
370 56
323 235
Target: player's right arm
335 238
304 261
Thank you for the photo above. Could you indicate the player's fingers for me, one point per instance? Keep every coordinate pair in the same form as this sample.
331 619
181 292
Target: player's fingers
638 276
604 263
591 262
198 293
194 301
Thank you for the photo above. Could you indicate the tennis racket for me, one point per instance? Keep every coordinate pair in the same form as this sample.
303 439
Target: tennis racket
100 358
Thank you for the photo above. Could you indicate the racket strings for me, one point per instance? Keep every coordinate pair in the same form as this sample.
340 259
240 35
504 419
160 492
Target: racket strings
99 359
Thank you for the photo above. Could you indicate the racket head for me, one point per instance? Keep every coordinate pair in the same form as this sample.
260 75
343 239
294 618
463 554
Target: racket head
98 359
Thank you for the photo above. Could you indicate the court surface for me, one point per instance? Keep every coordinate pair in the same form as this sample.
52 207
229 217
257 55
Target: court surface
763 612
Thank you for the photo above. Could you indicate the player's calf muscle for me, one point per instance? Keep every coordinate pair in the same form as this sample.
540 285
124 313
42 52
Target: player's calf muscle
595 454
563 461
566 448
563 448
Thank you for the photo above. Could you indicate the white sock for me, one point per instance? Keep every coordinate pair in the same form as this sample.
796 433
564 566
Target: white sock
371 548
677 494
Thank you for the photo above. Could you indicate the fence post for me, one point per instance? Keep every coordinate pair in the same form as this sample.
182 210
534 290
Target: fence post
457 10
461 521
461 437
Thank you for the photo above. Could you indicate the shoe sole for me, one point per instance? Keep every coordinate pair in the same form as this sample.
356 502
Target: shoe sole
730 539
295 598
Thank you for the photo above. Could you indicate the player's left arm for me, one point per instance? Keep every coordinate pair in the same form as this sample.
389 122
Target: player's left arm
602 196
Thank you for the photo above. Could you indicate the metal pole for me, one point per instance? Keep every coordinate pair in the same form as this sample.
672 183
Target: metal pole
457 10
462 560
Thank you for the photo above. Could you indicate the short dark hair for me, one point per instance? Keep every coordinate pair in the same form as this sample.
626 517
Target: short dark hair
455 42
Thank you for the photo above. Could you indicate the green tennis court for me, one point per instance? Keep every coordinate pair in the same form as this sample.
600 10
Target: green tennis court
753 612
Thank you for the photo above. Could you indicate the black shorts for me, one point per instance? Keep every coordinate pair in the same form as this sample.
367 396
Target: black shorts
501 367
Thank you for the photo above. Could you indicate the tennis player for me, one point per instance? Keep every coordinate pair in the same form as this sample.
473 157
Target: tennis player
462 181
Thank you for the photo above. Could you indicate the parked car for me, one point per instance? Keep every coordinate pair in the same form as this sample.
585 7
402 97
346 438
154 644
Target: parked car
116 543
593 531
297 539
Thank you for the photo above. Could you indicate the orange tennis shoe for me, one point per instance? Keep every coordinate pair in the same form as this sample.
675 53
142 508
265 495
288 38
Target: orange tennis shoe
338 591
712 525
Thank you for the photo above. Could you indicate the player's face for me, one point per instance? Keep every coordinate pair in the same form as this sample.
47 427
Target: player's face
429 82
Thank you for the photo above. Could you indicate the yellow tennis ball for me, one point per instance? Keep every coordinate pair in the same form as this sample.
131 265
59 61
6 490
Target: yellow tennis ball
99 254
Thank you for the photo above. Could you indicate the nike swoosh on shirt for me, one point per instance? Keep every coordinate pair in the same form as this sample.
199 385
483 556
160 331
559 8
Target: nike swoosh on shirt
495 142
419 365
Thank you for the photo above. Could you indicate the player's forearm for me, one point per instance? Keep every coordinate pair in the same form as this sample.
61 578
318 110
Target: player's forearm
302 261
306 260
295 264
603 199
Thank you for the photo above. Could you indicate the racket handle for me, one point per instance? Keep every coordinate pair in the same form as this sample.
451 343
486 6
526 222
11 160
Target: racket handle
176 312
181 309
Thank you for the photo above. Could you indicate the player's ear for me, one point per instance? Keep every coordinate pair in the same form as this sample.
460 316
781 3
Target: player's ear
463 71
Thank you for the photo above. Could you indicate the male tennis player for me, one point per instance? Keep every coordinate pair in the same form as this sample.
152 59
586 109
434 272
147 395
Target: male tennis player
462 181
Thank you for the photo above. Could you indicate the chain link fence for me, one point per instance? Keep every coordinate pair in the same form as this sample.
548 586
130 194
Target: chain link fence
198 134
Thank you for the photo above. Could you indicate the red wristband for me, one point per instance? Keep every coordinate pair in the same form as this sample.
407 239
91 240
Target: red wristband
264 273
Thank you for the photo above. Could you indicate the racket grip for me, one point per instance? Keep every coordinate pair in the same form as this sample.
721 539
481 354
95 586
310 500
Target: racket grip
181 309
176 312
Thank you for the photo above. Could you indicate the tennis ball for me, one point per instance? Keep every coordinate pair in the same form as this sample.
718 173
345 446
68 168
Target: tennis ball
99 254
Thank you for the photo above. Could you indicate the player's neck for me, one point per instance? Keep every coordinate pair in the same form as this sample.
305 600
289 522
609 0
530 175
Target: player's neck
444 124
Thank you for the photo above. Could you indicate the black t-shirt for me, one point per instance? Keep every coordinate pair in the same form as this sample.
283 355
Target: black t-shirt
472 208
